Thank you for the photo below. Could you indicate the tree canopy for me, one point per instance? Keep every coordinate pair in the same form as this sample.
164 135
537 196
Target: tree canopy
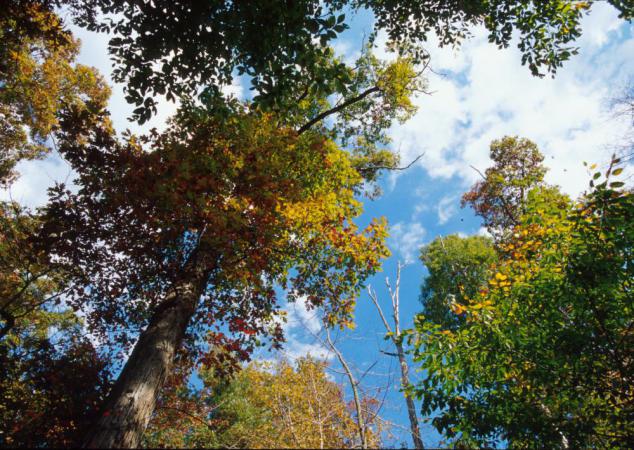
177 49
171 251
38 78
234 195
458 268
265 405
543 354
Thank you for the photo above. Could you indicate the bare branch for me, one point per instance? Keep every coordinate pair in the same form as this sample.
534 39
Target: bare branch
479 172
400 353
373 297
354 387
395 168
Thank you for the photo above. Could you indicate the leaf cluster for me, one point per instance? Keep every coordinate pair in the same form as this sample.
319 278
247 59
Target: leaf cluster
457 270
38 78
266 405
543 356
179 49
250 204
52 380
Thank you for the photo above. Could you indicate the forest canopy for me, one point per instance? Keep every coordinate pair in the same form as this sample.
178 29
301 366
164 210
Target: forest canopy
158 294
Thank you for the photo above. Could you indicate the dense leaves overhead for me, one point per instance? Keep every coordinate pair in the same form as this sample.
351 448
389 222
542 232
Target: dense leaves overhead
180 48
246 200
546 29
175 48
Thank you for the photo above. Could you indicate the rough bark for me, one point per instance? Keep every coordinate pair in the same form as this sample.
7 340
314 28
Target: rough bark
128 409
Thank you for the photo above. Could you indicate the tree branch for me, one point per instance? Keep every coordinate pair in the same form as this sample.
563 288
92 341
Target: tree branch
414 161
375 300
505 205
323 115
188 414
354 387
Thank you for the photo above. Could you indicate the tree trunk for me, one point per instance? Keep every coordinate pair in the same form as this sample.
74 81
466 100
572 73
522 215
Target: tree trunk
411 408
129 406
396 338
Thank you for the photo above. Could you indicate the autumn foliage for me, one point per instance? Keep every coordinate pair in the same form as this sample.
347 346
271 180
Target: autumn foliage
167 253
265 405
543 353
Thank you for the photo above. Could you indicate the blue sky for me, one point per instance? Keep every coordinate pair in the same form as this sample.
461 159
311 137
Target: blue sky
480 94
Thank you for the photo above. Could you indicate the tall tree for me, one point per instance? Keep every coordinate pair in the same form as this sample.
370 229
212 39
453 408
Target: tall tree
195 226
145 230
544 356
266 405
500 197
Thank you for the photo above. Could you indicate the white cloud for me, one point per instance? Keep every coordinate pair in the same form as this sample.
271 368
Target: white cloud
406 238
419 209
234 89
35 178
299 315
295 349
301 329
602 22
447 208
486 94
